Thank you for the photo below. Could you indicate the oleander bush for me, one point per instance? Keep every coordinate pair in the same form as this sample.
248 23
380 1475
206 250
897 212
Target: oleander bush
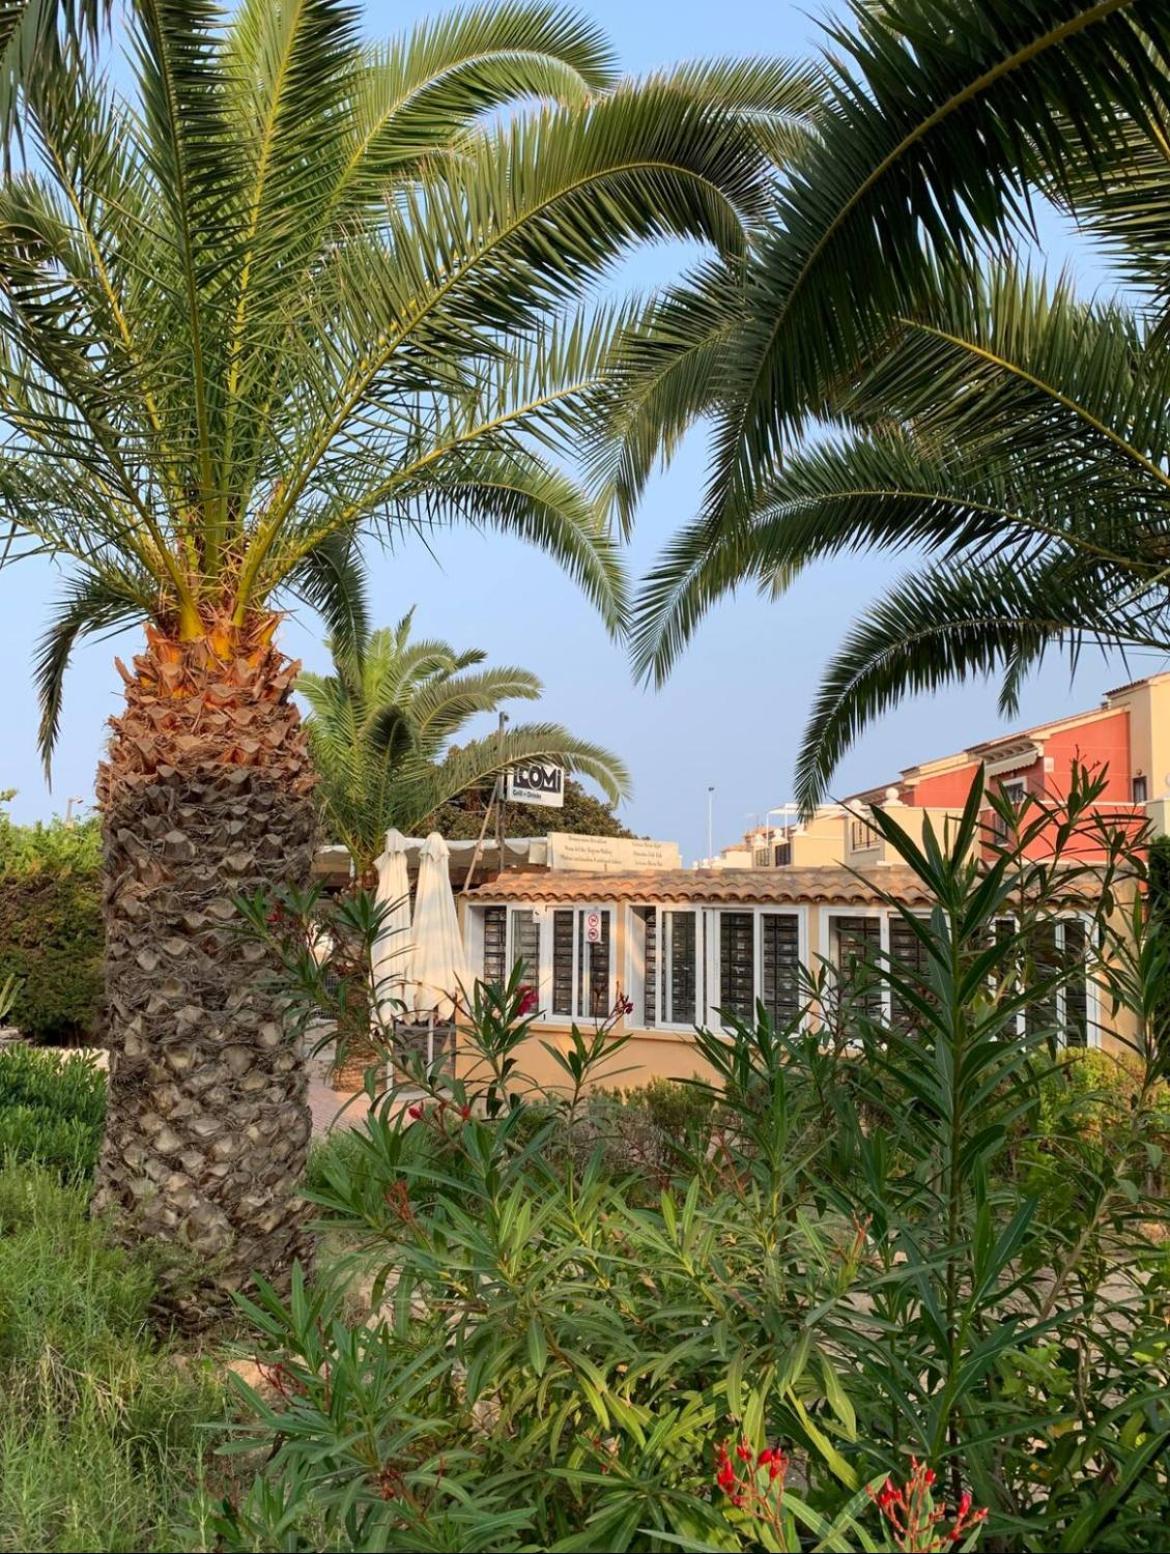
846 1321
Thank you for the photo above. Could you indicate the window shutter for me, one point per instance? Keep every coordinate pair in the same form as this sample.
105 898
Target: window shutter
593 970
650 968
1076 989
683 968
859 942
737 964
526 944
495 927
562 999
908 954
1041 965
781 950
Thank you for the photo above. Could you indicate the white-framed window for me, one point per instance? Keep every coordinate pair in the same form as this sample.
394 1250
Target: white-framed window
665 973
581 962
862 939
1014 789
1060 945
508 935
858 939
754 955
567 954
688 965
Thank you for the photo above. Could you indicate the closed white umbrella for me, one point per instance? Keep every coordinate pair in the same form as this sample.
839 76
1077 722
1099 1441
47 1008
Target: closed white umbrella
391 955
439 971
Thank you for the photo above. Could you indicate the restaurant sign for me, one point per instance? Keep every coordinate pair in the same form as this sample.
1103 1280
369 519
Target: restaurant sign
610 854
537 782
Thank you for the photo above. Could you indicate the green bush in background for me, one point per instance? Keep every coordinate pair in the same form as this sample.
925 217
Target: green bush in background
51 927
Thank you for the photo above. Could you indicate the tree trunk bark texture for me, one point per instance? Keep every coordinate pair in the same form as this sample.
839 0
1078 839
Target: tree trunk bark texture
205 795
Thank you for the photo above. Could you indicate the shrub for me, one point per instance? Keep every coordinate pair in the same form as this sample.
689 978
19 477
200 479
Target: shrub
52 1109
564 1357
51 941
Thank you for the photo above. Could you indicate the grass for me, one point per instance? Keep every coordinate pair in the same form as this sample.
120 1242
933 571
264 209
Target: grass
107 1433
104 1438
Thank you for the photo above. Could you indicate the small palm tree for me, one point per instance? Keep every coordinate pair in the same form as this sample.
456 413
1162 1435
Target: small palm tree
381 731
297 290
859 312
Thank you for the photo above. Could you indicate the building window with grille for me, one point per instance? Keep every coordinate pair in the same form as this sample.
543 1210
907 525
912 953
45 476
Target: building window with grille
782 854
1055 952
581 962
1141 789
511 935
680 967
758 954
856 945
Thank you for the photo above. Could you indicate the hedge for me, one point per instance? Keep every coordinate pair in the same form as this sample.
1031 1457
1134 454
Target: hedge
51 940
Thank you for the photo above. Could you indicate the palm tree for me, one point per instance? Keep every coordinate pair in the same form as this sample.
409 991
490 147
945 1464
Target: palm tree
381 731
296 290
938 126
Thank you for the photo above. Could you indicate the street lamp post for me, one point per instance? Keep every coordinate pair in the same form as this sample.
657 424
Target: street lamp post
710 823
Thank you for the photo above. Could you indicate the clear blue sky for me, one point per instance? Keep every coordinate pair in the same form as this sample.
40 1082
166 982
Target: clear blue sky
732 713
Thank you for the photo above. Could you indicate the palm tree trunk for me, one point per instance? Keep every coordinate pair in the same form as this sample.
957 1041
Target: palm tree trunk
206 794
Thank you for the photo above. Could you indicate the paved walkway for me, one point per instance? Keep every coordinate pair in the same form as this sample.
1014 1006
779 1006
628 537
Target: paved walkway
334 1109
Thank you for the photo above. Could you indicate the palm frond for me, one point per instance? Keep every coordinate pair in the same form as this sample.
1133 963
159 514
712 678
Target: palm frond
91 603
951 623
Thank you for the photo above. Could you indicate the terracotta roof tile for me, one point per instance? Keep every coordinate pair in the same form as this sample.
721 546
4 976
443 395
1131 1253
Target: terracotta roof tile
715 886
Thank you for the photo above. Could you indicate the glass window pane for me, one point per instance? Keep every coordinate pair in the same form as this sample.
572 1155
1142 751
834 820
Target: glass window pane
495 923
1075 1032
737 964
1042 964
526 944
908 955
593 970
781 952
857 943
682 967
562 997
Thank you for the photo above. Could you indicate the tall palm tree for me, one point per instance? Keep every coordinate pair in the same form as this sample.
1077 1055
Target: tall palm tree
298 289
382 726
939 125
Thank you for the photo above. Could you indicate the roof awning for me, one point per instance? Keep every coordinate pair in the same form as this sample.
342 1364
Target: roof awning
1015 761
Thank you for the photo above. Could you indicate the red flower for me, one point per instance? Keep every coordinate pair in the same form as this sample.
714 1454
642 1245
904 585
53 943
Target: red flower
528 1000
916 1524
465 1112
414 1112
